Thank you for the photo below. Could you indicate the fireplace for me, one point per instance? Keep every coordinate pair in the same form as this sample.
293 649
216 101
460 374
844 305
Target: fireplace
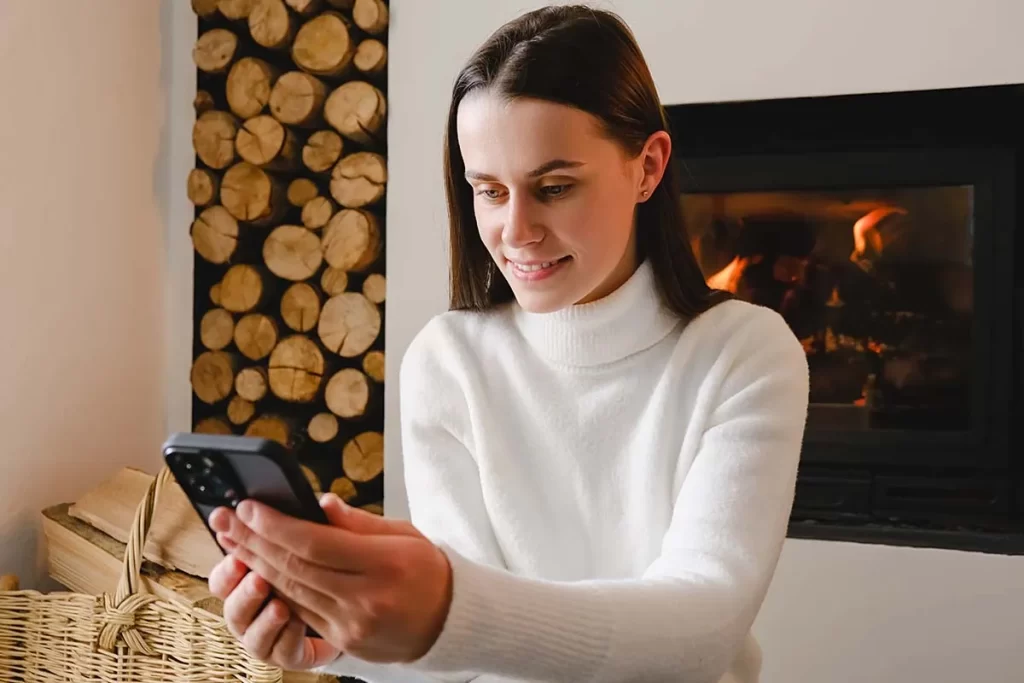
884 229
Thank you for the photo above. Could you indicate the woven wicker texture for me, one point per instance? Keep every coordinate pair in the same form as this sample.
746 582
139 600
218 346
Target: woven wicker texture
128 637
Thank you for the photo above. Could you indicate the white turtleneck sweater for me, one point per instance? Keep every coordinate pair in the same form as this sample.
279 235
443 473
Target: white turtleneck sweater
611 484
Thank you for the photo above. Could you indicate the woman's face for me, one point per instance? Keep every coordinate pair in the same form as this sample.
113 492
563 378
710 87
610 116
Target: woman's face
554 198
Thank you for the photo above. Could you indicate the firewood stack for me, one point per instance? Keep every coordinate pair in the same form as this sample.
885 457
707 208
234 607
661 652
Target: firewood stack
289 226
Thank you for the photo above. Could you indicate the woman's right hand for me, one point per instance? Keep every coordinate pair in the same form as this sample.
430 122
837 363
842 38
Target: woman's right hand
271 634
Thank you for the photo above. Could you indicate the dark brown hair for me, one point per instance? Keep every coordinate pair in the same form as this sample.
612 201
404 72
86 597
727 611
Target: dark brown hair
587 59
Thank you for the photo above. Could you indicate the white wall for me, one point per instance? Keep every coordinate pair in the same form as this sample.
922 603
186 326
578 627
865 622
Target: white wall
81 256
837 613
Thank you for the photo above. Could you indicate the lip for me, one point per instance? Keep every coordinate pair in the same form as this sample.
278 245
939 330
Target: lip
537 275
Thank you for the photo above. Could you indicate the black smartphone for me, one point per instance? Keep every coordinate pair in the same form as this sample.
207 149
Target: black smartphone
222 470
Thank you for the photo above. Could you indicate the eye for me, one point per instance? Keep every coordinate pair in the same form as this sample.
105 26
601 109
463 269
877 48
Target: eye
555 190
489 193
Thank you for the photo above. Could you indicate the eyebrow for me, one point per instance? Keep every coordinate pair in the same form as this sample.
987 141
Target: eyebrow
553 165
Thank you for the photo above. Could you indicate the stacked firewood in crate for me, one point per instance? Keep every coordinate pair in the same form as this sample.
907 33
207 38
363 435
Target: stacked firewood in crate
289 229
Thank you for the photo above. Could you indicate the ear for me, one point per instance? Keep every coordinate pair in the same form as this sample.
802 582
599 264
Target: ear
654 158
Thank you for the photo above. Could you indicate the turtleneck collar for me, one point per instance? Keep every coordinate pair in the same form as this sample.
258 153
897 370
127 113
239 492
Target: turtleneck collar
629 320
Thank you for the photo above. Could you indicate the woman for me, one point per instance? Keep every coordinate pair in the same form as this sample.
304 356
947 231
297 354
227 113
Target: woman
600 451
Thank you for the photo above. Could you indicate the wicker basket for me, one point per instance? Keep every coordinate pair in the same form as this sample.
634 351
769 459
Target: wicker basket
130 637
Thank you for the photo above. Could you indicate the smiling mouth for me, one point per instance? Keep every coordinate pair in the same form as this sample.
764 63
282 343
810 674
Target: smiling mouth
537 267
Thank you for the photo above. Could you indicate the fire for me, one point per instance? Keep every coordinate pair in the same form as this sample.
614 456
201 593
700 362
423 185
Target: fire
728 278
867 238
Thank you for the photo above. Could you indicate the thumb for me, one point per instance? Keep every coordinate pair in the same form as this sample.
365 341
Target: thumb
341 514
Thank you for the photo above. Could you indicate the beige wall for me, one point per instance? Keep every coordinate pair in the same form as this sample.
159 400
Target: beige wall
81 255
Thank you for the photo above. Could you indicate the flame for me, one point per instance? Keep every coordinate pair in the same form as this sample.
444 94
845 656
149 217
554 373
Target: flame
728 278
834 301
867 238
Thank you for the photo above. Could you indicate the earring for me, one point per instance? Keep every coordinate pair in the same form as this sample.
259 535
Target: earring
644 193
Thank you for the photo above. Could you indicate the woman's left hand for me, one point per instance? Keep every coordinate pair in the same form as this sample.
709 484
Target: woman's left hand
374 587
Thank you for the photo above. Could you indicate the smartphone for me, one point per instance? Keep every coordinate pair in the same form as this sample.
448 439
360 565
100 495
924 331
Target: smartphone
222 470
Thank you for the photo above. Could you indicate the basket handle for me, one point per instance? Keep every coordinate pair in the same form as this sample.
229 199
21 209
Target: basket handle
131 567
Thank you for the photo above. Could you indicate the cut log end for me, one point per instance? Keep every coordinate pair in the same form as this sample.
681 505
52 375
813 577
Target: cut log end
375 288
357 110
343 488
271 25
371 16
348 393
317 212
212 425
213 138
371 57
203 186
297 99
255 336
349 324
301 190
263 141
215 50
359 180
250 194
313 479
304 8
300 307
216 329
374 508
240 410
213 375
296 368
215 294
251 383
272 427
363 457
241 289
352 240
373 365
292 252
236 9
215 234
248 87
322 428
205 8
323 45
322 151
203 102
333 281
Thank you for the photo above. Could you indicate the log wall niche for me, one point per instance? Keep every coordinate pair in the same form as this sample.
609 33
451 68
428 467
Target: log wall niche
289 227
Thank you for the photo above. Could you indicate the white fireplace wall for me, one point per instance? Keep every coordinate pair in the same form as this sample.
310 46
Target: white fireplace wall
837 612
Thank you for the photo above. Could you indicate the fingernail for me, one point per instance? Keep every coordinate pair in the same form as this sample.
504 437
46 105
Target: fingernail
219 520
244 511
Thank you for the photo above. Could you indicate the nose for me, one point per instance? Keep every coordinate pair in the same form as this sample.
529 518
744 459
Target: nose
522 227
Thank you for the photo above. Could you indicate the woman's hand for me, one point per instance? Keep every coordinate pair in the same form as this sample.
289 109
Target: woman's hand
372 587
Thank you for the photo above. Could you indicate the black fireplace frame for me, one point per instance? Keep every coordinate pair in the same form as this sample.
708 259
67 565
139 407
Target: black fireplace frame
961 490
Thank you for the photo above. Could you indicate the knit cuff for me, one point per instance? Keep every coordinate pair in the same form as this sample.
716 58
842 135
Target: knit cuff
507 625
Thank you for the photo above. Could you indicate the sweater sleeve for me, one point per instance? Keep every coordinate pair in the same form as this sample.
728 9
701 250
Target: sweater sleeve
687 617
442 483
